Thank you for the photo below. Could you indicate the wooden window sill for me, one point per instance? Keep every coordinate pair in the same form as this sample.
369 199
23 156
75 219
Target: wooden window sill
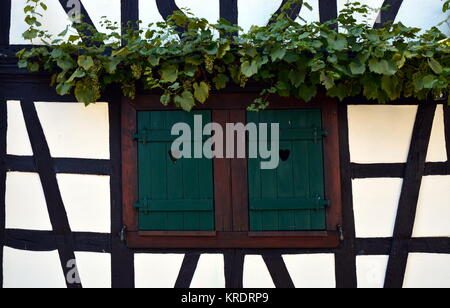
236 240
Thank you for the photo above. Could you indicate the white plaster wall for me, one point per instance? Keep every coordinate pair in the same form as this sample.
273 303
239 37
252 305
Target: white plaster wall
75 131
371 271
374 11
375 204
55 20
94 269
423 14
157 270
380 133
31 269
437 151
209 10
427 271
433 211
87 202
26 207
256 274
18 142
312 271
210 272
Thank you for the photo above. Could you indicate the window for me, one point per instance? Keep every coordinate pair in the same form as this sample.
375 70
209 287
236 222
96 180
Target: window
174 202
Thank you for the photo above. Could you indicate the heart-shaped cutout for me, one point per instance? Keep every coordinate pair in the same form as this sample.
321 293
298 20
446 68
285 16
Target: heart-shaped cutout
284 154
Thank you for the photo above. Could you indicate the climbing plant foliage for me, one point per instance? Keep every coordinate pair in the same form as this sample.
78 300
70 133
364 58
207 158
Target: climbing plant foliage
187 58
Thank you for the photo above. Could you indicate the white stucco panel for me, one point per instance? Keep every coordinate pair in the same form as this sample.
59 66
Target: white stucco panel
103 8
157 270
26 207
94 269
87 202
18 142
433 210
375 204
423 14
371 271
437 151
256 12
210 272
148 13
312 271
31 269
427 271
256 274
55 20
200 9
75 131
380 133
375 6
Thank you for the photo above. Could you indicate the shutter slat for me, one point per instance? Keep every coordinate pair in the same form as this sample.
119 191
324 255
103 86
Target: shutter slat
292 204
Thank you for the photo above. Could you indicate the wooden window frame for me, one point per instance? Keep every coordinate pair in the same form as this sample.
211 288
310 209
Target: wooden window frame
231 182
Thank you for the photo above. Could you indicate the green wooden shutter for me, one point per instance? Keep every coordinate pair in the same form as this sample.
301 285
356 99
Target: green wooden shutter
173 195
291 197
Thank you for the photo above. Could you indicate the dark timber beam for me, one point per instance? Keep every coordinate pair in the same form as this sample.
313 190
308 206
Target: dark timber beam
187 270
390 14
122 258
5 21
346 257
229 10
407 208
3 129
166 7
447 130
55 205
234 269
278 271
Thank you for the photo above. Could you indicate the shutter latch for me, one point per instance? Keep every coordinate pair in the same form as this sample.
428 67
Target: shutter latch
143 205
123 234
319 133
142 136
320 201
341 232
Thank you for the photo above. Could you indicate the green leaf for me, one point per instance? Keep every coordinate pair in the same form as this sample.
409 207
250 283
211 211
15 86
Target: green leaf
278 53
382 67
222 50
390 84
169 73
23 64
185 101
66 63
76 75
249 69
327 80
429 81
339 44
111 65
201 91
340 91
64 88
166 99
85 92
357 68
435 66
221 81
307 92
297 77
85 62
